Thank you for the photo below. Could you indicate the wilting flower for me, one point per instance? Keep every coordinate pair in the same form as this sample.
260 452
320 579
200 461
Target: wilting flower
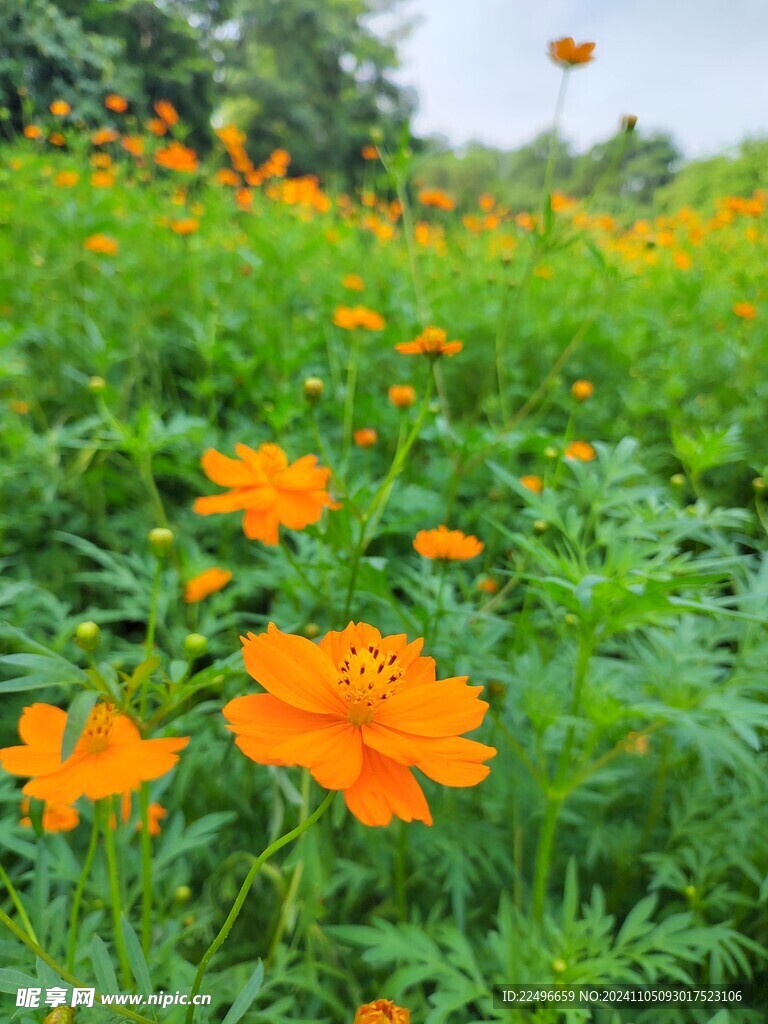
582 390
359 710
382 1011
103 244
636 743
566 53
167 112
434 197
115 102
365 437
110 756
176 157
402 396
271 492
32 131
431 342
352 318
60 108
354 282
532 483
745 310
57 817
447 545
205 584
581 451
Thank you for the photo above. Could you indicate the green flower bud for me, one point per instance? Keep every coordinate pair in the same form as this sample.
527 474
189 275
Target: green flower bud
87 636
677 480
97 385
195 645
559 965
161 541
540 526
313 388
182 894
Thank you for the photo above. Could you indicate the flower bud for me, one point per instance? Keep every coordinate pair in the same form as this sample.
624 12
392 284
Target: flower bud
61 1015
559 965
97 385
195 645
758 484
677 480
182 894
540 526
313 388
311 630
570 619
628 123
87 636
551 452
161 541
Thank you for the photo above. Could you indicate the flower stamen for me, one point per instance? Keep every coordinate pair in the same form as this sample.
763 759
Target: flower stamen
366 679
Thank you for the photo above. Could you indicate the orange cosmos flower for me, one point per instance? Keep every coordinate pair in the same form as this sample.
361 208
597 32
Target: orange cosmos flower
157 126
682 260
270 491
402 396
369 153
745 310
32 131
60 108
532 483
434 197
447 545
244 198
176 157
382 1011
133 144
185 226
486 202
581 451
66 179
166 111
582 390
354 282
102 179
366 437
431 342
102 160
486 585
115 102
57 139
205 584
104 136
103 244
226 176
354 317
567 54
110 756
359 710
56 817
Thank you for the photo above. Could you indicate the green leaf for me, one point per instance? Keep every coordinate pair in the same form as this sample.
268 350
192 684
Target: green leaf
136 958
246 996
79 710
106 978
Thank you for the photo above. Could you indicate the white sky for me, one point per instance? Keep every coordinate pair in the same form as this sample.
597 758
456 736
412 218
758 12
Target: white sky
698 68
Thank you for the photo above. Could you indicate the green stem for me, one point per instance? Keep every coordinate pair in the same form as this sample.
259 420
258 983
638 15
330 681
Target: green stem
77 898
435 628
18 904
146 870
550 168
237 906
411 249
349 397
62 971
149 643
114 890
293 888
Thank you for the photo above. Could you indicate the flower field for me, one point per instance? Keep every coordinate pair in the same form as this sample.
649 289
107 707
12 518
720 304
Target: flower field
383 590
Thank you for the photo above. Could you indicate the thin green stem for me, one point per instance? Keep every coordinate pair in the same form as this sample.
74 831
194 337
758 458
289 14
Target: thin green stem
435 626
146 870
62 971
553 140
411 250
237 906
80 889
114 890
16 899
349 396
293 888
149 643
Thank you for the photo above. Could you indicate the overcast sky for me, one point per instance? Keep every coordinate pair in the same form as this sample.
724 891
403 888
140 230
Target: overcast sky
697 68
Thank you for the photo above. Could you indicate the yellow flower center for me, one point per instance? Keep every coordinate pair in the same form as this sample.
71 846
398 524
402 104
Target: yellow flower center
273 459
98 728
367 677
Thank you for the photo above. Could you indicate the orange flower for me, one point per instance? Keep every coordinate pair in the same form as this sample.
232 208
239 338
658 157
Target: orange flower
582 390
185 226
369 153
103 244
434 197
682 260
581 451
351 318
104 136
19 406
486 202
56 817
226 176
382 1011
271 492
447 545
32 131
431 342
244 198
155 814
354 282
487 586
57 139
60 108
567 54
359 710
102 179
365 437
66 179
176 157
166 111
115 102
745 310
133 144
102 160
532 483
402 396
157 126
205 584
636 743
110 756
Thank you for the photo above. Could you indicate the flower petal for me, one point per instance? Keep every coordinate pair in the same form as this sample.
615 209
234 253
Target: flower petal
262 723
294 670
452 761
261 524
334 754
385 788
447 707
226 472
42 726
